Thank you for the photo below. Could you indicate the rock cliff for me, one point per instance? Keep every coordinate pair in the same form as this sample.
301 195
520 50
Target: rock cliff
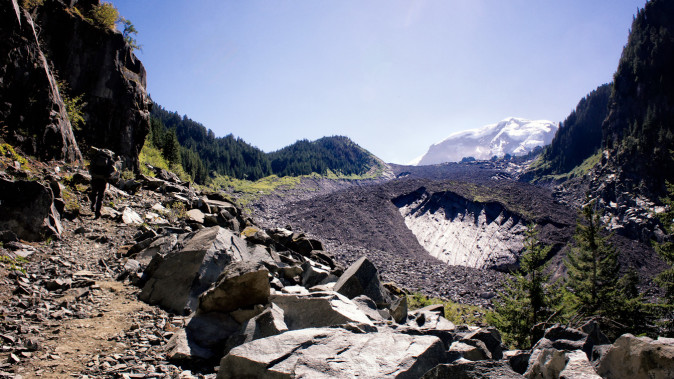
98 64
56 43
32 112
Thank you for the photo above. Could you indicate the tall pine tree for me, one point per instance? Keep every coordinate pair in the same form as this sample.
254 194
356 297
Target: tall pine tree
666 251
592 268
528 298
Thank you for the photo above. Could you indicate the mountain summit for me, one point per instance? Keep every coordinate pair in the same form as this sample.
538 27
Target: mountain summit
514 136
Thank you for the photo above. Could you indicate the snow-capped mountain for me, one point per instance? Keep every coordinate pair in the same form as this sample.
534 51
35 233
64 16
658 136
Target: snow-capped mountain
514 136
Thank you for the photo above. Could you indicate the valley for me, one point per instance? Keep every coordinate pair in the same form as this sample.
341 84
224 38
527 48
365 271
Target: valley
365 217
135 243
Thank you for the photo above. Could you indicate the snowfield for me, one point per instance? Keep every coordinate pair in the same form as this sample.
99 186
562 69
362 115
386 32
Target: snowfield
514 136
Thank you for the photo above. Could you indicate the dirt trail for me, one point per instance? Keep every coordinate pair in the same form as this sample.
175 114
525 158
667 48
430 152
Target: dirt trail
63 314
80 343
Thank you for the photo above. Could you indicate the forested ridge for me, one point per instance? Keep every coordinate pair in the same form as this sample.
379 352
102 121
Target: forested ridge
336 153
202 154
635 122
579 135
639 126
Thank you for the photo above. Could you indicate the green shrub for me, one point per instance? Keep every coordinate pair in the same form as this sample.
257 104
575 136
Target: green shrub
177 210
105 15
454 312
127 174
129 32
14 263
74 105
31 4
8 151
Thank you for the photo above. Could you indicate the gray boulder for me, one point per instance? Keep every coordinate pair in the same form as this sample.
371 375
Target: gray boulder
318 309
180 348
399 310
130 217
638 357
362 278
430 323
162 245
473 370
195 215
204 337
368 307
333 353
491 338
546 364
474 350
175 281
27 209
578 367
312 274
241 285
564 338
266 324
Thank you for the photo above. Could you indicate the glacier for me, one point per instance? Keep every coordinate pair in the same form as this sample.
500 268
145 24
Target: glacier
513 135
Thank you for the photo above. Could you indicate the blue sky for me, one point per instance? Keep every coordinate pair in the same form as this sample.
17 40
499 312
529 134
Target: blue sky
394 76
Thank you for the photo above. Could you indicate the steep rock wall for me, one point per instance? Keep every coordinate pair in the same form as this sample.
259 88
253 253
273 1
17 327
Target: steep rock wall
463 232
32 112
98 64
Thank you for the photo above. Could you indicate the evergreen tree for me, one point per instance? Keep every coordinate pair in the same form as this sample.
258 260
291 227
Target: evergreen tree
666 251
528 298
592 268
629 311
171 148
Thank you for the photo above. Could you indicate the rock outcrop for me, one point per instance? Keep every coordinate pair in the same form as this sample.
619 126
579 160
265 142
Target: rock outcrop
98 64
88 60
32 112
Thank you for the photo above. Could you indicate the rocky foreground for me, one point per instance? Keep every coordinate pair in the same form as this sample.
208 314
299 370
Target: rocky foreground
172 282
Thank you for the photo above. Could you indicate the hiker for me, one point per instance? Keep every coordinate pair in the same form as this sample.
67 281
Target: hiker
102 168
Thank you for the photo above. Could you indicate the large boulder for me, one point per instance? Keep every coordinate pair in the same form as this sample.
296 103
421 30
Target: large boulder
241 285
473 370
362 278
399 310
491 338
153 246
27 209
638 357
473 351
557 364
266 324
546 364
564 338
175 280
578 367
368 307
431 323
318 309
204 337
333 353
